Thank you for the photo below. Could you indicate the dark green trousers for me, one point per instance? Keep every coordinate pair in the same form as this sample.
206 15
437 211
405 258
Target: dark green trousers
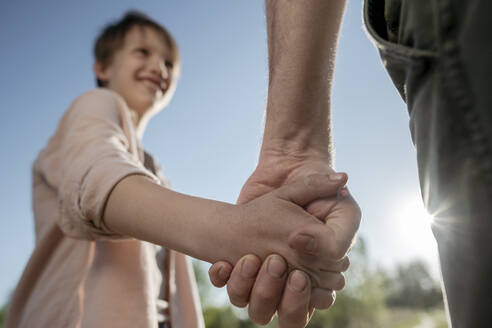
439 56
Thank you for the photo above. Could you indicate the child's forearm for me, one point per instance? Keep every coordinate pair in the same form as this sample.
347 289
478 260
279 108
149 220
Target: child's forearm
212 231
139 208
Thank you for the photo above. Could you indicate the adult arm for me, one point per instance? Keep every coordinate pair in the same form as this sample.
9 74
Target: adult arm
302 40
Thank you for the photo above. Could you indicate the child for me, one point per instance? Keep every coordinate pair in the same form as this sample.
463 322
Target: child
101 205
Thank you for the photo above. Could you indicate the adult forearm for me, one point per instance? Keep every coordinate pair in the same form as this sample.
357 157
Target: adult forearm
302 41
139 208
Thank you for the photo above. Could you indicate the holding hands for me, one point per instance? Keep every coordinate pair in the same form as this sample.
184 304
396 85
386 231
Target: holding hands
313 256
305 254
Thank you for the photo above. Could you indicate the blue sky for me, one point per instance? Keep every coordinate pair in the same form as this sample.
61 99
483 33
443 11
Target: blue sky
208 139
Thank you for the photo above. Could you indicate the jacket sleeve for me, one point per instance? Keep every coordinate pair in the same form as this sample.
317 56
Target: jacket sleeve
94 153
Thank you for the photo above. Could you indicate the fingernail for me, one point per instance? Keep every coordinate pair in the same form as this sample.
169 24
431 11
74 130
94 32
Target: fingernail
308 243
336 176
276 266
298 281
248 269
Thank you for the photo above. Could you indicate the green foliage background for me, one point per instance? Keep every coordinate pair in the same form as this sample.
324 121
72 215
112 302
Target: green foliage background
2 317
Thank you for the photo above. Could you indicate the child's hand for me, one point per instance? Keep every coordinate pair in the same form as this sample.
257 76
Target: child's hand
277 223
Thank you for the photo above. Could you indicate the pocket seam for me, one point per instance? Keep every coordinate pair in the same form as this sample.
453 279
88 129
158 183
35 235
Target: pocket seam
394 49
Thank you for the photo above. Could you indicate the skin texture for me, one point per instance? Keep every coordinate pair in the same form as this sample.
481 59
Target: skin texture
302 38
287 157
342 220
139 208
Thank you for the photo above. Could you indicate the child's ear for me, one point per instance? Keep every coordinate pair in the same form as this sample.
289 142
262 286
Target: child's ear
100 71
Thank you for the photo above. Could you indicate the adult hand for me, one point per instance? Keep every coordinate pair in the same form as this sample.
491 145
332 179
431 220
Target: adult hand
341 218
277 223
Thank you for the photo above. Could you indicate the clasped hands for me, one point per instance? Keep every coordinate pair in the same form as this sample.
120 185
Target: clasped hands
294 280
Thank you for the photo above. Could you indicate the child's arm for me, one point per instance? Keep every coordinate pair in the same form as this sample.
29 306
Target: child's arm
211 230
105 192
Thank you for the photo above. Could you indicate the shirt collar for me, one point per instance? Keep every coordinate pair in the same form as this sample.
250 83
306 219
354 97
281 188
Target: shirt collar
134 117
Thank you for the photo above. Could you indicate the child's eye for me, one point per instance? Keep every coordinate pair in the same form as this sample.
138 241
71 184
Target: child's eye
169 64
143 51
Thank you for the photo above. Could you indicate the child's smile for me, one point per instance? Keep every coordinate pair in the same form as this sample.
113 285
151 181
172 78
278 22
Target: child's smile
141 71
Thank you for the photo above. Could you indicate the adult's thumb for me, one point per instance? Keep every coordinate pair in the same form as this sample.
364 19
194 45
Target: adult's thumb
312 187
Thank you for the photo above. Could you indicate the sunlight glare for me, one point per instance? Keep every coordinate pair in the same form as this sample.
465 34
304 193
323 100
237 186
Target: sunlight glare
412 227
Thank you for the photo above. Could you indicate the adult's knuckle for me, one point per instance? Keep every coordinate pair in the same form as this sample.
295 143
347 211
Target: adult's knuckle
233 290
328 302
216 282
264 295
238 302
345 264
355 211
293 317
334 249
339 283
292 309
237 296
259 318
291 306
215 279
337 251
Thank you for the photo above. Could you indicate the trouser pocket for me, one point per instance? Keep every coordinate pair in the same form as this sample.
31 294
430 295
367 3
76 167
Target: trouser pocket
404 33
438 54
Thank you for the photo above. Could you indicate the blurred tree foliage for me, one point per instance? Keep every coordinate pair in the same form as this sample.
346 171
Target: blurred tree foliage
3 316
370 297
413 287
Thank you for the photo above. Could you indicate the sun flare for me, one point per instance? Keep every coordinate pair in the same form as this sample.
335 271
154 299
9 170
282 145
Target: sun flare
413 227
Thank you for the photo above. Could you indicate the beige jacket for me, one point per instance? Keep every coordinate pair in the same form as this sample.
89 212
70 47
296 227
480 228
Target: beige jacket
80 273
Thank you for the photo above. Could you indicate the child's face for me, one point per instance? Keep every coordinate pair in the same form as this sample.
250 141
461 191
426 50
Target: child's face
141 70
